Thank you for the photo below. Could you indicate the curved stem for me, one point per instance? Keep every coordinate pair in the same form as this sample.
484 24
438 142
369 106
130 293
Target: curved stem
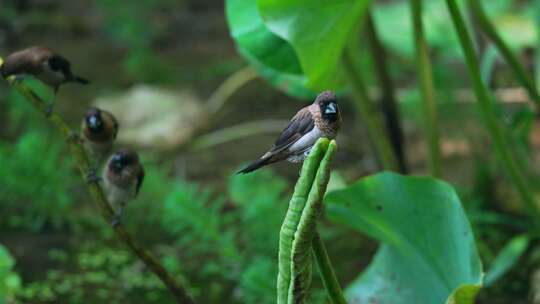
388 99
326 270
237 131
489 116
99 198
427 89
490 31
368 114
228 87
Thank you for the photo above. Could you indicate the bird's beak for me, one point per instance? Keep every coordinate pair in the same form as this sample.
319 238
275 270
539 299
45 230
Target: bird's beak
331 109
93 122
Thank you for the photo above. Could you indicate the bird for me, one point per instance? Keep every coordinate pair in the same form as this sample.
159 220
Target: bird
123 176
320 119
99 129
44 64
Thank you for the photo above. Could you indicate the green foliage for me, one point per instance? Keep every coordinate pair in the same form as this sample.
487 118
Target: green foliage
95 273
223 236
35 180
207 243
517 31
197 223
273 57
318 31
507 258
259 197
36 177
131 23
10 283
428 249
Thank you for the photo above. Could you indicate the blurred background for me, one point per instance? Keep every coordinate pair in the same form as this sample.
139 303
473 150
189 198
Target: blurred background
190 105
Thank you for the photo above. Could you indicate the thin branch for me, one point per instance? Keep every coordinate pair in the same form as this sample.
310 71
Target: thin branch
100 199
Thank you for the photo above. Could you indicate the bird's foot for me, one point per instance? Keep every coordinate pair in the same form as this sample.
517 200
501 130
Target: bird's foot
92 177
18 79
73 137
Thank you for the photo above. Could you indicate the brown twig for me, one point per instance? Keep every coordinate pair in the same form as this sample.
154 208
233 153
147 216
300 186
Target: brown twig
100 199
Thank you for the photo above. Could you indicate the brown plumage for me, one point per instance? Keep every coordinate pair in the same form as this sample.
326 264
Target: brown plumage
320 119
44 64
99 129
123 177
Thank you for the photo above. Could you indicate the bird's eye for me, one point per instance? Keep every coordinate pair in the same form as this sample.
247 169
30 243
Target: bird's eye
54 65
57 64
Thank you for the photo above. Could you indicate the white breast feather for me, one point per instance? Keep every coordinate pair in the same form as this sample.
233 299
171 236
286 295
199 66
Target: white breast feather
116 195
307 140
51 77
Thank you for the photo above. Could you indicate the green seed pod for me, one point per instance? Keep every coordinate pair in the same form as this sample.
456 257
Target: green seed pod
292 218
301 253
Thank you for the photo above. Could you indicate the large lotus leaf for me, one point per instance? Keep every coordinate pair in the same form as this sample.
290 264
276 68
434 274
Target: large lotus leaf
318 30
428 254
273 57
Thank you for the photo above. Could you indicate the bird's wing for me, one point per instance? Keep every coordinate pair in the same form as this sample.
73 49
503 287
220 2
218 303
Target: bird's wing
17 63
140 179
24 61
110 121
301 124
116 127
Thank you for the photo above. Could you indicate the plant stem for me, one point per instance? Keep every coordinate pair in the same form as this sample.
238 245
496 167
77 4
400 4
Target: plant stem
235 132
490 31
489 116
223 93
326 270
293 216
537 59
99 198
368 114
427 89
388 100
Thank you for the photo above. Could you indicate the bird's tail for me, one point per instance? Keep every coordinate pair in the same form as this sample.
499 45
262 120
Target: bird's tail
80 80
261 162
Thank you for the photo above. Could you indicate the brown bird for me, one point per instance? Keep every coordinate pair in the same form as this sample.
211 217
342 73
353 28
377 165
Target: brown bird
123 177
320 119
42 63
98 131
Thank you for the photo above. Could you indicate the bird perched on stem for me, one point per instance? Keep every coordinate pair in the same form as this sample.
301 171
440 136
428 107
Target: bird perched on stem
123 177
42 63
320 119
99 129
